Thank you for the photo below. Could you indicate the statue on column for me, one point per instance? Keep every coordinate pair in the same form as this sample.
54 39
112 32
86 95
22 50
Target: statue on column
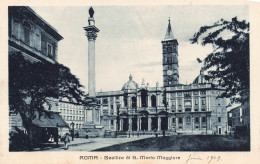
91 12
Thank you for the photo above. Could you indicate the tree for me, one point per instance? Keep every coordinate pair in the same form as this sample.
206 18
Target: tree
228 64
31 84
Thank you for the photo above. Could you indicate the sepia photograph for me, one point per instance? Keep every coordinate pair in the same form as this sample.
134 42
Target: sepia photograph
129 78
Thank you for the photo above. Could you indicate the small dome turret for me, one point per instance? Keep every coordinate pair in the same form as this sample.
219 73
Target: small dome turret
130 84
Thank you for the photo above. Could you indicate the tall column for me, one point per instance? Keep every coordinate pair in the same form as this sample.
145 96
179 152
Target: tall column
85 114
115 107
149 123
130 124
109 105
138 123
114 124
121 124
109 124
138 101
192 123
91 33
149 101
183 123
200 123
210 123
169 123
159 123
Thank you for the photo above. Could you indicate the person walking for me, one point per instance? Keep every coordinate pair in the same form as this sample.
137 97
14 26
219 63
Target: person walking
66 141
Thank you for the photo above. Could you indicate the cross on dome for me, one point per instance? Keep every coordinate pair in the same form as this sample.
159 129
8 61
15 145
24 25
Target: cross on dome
130 77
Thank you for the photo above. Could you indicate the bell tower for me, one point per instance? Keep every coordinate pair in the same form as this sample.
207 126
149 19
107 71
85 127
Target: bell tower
170 59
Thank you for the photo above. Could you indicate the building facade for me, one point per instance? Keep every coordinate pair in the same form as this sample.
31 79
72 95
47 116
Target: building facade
235 118
31 36
72 113
193 108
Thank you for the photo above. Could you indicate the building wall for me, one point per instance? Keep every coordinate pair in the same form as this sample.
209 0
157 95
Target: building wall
195 105
28 33
31 35
71 112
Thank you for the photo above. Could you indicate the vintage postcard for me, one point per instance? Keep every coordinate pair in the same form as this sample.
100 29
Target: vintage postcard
129 82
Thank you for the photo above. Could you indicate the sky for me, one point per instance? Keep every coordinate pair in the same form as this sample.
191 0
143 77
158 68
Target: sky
129 41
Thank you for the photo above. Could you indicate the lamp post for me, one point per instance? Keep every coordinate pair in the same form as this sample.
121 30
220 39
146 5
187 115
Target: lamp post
117 116
57 136
72 131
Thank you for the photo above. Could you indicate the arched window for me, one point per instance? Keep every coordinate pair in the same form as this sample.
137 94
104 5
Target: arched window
133 102
153 100
187 119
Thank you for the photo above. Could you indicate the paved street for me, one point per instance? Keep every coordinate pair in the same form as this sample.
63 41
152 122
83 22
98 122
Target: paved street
81 144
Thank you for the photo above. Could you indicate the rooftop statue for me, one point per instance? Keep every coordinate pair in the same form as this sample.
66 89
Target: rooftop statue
91 12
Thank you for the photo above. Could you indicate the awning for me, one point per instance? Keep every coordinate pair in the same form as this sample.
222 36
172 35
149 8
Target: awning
50 120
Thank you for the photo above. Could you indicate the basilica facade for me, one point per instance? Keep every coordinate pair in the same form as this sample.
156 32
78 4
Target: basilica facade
174 107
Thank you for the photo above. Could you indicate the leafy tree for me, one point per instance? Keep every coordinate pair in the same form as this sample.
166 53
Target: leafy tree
228 64
32 84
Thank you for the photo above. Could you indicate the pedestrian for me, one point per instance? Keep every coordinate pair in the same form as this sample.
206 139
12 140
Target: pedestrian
66 141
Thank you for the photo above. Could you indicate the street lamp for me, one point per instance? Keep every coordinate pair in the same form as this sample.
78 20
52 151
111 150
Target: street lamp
57 136
117 116
72 131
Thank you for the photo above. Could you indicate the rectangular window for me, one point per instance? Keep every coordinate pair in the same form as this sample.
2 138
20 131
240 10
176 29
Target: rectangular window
111 107
179 103
173 120
112 122
27 36
180 120
105 101
196 119
219 119
203 101
196 101
49 49
203 119
173 103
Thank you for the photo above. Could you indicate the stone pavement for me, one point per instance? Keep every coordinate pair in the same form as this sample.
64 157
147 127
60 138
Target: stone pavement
82 144
53 145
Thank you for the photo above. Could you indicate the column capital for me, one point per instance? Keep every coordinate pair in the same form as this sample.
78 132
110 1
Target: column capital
91 35
91 32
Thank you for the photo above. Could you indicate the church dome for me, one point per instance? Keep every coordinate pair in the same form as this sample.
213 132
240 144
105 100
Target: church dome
130 84
200 79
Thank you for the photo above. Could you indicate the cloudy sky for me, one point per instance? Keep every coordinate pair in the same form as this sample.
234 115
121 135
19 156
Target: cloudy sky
130 38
